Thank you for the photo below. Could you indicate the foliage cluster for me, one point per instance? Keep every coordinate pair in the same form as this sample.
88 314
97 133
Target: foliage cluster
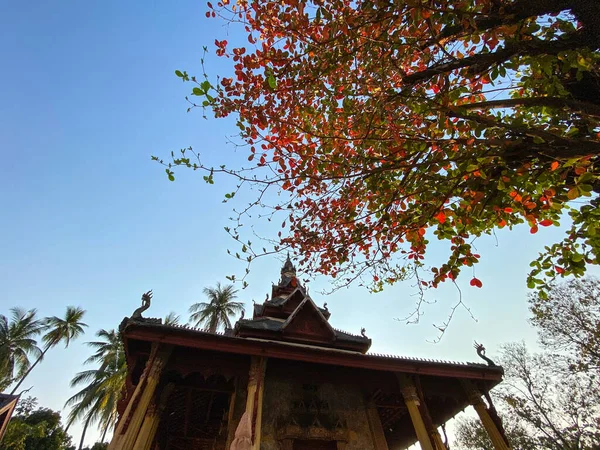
387 123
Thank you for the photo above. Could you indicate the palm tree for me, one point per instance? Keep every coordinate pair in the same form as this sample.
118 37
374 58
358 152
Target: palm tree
218 311
59 330
97 401
172 318
17 344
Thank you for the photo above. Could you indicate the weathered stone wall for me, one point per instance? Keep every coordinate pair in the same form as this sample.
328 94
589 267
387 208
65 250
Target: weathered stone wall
295 407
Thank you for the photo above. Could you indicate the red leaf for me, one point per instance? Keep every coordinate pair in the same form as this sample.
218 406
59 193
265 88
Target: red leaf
533 229
559 269
476 282
546 223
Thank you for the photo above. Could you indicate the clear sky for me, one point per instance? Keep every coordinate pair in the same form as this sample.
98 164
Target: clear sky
88 94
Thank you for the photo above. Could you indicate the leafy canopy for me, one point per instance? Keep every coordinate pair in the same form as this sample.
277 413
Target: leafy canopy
384 123
38 429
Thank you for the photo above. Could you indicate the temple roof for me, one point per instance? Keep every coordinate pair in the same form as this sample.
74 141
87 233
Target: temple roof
291 326
151 330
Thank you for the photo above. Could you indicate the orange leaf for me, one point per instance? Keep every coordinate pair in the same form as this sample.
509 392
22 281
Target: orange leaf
554 165
441 217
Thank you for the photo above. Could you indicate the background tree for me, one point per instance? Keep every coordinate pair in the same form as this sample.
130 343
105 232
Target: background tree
218 310
101 389
568 321
172 319
17 344
39 429
470 435
96 402
386 123
543 404
57 330
97 446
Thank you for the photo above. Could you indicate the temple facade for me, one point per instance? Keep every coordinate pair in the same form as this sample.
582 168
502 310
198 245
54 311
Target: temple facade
286 379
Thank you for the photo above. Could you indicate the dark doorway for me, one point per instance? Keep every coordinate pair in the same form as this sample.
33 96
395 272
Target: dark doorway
311 444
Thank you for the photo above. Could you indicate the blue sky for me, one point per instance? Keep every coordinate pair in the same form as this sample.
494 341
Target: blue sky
88 95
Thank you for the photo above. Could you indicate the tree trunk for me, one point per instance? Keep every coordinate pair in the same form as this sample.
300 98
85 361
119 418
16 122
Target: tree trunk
214 322
85 425
30 369
104 432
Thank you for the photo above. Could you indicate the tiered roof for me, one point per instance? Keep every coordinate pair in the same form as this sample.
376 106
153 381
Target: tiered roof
292 316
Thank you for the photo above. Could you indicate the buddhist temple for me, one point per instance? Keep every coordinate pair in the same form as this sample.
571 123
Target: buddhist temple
287 379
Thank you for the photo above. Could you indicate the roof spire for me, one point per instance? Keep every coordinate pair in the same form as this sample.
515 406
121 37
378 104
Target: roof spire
288 268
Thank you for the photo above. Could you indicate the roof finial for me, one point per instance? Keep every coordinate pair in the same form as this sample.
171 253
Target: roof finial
288 267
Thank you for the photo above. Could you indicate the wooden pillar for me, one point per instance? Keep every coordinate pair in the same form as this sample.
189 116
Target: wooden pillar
490 426
147 432
130 424
409 392
379 440
437 440
249 428
231 413
434 434
256 389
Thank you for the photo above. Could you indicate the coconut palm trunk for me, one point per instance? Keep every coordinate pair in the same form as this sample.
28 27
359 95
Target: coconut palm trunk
31 367
85 427
104 432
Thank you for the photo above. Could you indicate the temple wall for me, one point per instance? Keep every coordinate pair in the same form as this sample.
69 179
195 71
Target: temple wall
295 409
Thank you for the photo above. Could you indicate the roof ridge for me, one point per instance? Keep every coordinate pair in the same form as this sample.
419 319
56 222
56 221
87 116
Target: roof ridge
346 332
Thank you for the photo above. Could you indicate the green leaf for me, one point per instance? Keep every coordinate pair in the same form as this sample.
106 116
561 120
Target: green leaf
179 73
272 81
197 91
538 140
205 85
